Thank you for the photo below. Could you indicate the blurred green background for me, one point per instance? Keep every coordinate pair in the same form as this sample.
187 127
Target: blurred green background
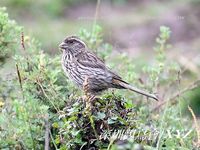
130 25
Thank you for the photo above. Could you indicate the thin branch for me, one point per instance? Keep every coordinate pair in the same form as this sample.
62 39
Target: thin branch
196 126
22 41
24 48
43 91
21 87
184 69
96 16
53 141
173 99
19 77
46 133
93 126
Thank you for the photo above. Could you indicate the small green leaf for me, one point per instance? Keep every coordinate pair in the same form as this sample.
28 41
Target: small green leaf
111 121
100 115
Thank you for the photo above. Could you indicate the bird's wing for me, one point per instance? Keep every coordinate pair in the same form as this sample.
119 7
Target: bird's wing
89 59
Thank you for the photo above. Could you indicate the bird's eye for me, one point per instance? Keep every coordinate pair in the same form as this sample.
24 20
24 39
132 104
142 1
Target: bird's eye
70 42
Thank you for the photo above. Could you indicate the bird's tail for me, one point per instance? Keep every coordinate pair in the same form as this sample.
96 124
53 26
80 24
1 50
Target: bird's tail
125 85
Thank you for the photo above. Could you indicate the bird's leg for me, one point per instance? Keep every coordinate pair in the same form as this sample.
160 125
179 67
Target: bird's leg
85 89
88 96
88 99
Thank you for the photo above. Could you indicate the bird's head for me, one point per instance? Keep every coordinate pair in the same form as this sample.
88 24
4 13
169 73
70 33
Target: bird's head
72 44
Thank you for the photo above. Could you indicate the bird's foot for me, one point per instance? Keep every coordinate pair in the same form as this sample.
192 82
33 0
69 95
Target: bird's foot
88 103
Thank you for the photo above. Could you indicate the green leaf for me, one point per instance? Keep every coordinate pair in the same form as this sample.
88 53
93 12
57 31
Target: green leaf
100 115
111 121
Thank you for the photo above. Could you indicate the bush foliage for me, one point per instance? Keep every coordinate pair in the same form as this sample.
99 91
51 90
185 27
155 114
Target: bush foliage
9 35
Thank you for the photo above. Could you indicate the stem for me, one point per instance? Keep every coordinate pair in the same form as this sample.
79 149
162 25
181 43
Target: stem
53 141
173 99
93 126
43 91
196 125
46 133
96 16
27 117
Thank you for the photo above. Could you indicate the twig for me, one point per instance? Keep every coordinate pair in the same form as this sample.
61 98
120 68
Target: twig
93 126
46 133
22 41
24 48
19 78
111 142
196 126
184 69
173 99
43 91
21 87
53 141
96 16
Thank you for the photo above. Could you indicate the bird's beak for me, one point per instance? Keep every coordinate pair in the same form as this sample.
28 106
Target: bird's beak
62 45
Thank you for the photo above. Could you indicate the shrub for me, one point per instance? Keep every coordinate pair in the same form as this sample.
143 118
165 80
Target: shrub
9 36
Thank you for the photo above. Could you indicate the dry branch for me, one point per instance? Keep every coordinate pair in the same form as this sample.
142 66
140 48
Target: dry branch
173 100
46 133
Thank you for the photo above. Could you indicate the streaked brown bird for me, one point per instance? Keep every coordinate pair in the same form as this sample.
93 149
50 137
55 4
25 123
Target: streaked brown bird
89 72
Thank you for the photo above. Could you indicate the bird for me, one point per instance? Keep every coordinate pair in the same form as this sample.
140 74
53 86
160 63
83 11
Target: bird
89 72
